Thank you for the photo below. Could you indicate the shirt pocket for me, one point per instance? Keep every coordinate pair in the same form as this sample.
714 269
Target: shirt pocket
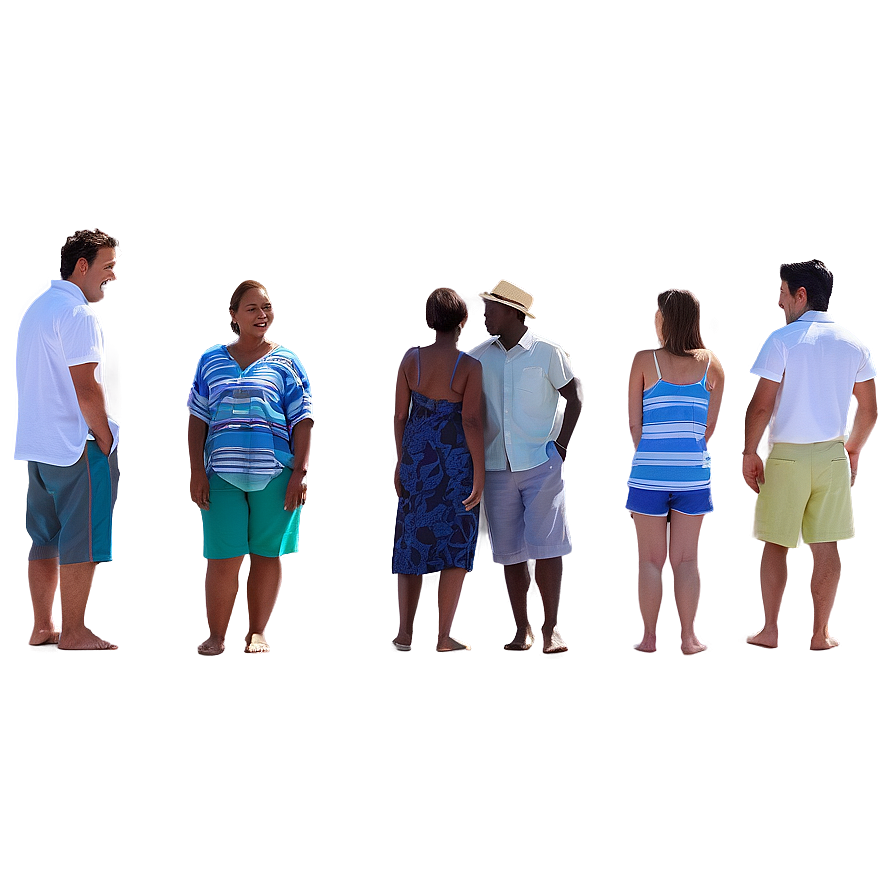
531 389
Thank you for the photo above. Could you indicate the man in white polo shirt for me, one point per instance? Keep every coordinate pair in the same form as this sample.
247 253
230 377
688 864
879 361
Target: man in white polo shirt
68 439
808 370
526 439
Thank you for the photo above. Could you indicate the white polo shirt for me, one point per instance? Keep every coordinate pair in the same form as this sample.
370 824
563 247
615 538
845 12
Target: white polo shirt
822 362
521 389
59 331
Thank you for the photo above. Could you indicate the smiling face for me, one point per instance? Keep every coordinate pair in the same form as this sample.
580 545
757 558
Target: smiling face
92 278
792 304
255 313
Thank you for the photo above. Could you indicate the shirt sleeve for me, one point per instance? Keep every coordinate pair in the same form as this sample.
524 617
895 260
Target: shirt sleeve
82 338
770 362
296 394
866 369
197 402
560 368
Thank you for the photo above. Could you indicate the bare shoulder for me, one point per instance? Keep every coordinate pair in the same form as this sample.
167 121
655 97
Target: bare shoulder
643 359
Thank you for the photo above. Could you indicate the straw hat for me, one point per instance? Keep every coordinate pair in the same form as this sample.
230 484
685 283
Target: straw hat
508 294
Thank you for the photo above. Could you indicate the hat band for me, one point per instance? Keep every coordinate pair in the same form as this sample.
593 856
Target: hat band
507 301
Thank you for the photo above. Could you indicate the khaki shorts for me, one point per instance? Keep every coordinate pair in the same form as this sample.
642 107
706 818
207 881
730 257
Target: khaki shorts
807 488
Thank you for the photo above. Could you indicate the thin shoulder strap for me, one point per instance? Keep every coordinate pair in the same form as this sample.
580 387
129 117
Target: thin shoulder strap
657 365
451 384
418 365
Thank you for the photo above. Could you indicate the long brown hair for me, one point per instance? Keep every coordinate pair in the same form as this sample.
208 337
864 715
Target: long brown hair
681 321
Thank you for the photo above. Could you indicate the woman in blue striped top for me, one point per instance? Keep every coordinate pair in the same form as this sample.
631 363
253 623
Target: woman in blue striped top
674 396
249 441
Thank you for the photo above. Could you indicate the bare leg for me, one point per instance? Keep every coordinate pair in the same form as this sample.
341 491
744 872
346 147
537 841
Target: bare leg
651 531
683 538
221 584
517 579
75 580
548 575
772 579
450 583
408 598
43 579
262 588
825 578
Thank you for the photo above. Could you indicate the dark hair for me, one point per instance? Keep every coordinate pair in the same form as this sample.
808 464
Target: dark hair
83 244
445 310
814 277
681 321
237 297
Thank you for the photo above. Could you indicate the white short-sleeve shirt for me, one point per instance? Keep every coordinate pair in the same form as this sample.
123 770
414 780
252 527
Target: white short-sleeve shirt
522 398
59 331
817 362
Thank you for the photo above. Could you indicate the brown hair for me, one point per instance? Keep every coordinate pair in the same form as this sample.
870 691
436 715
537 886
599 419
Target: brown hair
445 310
83 244
237 297
681 321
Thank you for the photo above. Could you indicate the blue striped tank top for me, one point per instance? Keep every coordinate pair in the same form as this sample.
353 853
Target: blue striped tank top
671 455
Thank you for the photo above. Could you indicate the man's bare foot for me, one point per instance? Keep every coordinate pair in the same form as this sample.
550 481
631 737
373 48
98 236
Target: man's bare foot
41 636
256 643
647 645
768 637
690 646
83 639
823 641
522 640
553 643
446 644
211 647
402 641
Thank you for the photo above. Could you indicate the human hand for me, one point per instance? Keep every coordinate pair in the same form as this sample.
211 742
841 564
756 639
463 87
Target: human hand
561 450
199 491
754 472
398 487
474 497
296 492
853 466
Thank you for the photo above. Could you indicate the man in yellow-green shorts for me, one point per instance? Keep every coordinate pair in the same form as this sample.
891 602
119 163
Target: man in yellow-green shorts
804 485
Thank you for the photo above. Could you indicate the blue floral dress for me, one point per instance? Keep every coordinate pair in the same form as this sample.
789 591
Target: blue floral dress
433 531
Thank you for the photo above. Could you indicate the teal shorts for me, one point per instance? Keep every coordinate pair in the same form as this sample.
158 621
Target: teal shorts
239 523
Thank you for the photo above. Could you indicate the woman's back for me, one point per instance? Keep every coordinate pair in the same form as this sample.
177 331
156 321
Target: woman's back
437 372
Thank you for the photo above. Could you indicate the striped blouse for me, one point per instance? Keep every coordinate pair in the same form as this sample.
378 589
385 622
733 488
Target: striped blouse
250 414
671 455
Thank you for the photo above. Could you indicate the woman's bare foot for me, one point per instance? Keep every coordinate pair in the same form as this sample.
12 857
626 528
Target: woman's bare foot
83 639
256 643
823 641
768 637
691 645
647 645
211 647
446 644
402 641
41 636
522 640
553 643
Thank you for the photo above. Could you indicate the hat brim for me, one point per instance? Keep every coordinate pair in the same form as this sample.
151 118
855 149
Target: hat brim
491 297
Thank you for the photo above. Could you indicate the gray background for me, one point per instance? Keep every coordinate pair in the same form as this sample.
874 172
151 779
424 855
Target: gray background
353 157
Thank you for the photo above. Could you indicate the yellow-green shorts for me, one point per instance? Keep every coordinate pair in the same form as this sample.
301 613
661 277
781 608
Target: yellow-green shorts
806 489
239 523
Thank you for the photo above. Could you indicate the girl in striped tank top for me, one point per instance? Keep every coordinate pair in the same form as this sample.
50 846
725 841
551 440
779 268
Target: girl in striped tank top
674 397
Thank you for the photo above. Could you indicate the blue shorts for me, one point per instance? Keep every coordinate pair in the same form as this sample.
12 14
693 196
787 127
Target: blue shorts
656 503
69 513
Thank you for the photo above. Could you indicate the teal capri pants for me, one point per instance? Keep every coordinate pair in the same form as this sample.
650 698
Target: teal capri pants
239 523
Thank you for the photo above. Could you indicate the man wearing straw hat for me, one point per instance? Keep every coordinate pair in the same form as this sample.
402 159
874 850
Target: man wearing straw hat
527 435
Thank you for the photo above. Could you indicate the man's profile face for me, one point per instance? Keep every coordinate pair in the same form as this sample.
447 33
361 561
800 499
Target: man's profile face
93 283
791 306
498 317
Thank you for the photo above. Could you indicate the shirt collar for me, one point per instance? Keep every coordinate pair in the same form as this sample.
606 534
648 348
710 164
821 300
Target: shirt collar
70 288
819 317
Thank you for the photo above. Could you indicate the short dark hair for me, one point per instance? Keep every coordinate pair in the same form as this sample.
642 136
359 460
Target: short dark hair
814 277
83 244
445 310
237 297
681 321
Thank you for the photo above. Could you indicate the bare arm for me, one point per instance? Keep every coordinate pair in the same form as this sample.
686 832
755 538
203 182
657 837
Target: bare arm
636 400
473 431
300 443
197 433
572 392
716 384
866 417
759 412
92 402
402 409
